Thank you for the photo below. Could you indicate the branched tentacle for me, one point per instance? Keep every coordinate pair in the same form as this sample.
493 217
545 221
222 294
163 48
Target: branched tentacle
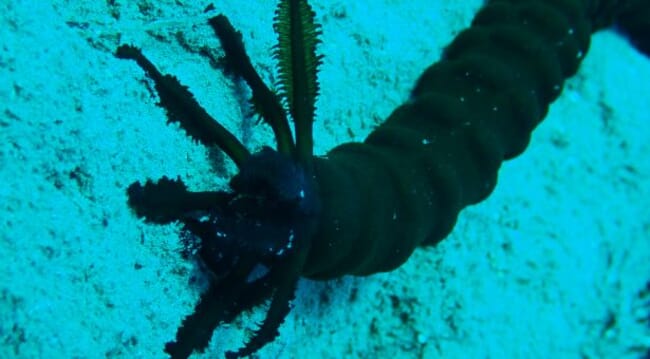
284 277
169 200
265 101
298 64
268 331
181 107
218 304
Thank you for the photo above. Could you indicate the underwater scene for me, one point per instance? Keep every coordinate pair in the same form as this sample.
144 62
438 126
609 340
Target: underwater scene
297 179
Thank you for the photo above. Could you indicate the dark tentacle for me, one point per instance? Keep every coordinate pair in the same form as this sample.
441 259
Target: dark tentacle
284 277
218 304
265 101
221 303
181 107
169 200
227 298
269 220
268 331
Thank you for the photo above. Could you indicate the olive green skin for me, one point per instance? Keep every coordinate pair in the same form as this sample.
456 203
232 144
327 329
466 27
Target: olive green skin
404 186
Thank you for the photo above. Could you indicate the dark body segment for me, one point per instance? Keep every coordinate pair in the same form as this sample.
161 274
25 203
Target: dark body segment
406 183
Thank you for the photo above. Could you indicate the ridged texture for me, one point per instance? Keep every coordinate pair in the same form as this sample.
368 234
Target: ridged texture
297 65
441 151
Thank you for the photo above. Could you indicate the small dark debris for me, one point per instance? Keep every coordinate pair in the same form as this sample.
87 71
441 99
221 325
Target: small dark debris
373 327
209 8
404 317
353 294
78 25
394 301
559 141
609 323
80 177
145 7
324 296
131 341
48 251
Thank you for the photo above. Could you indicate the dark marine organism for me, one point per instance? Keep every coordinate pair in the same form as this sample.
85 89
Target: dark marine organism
363 207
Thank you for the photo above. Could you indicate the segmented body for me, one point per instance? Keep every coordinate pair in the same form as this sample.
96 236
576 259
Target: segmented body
441 151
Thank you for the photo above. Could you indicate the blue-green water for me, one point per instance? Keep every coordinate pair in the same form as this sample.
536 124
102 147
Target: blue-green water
549 266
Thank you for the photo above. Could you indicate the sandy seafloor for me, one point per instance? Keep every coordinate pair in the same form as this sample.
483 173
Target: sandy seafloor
551 265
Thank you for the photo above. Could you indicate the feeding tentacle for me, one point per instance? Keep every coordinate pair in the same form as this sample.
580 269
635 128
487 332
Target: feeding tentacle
265 102
181 107
219 304
169 200
298 65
